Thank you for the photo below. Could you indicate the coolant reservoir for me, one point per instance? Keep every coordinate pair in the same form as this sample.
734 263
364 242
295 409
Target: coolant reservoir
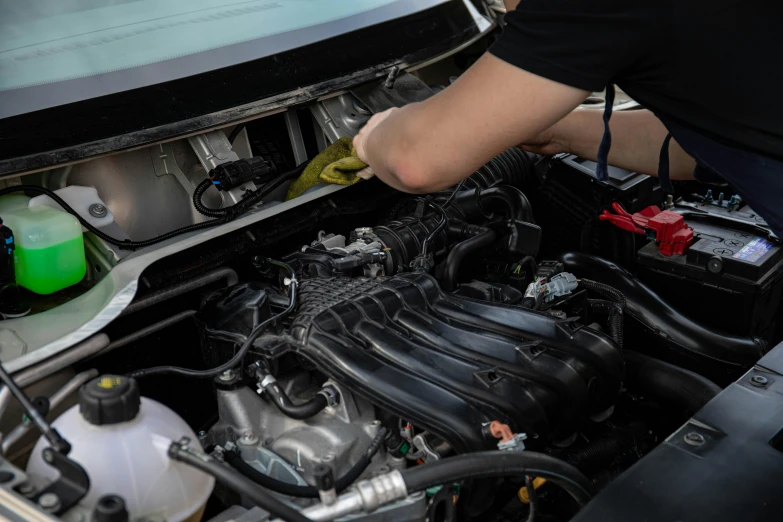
122 440
49 254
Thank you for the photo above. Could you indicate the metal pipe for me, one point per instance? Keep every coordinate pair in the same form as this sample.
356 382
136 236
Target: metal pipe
56 441
55 400
170 292
54 364
148 330
365 497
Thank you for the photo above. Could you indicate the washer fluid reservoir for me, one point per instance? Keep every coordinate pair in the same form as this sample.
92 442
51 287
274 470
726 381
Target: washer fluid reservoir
49 254
122 440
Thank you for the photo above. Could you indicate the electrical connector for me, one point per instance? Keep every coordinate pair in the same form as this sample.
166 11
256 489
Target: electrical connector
561 284
235 173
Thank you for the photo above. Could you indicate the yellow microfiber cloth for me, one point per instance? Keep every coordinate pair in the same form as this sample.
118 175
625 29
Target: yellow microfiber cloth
337 163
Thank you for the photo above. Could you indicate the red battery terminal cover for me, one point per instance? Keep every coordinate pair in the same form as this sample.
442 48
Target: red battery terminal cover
672 234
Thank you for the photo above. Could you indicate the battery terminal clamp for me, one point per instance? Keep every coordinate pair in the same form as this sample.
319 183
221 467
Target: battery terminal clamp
669 230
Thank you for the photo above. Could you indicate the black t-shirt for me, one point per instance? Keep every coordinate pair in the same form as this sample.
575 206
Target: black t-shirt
715 66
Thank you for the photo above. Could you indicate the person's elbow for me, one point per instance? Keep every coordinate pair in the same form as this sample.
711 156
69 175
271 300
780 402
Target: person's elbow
411 175
416 174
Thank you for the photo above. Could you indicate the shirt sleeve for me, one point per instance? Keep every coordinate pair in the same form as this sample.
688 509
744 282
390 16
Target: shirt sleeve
581 43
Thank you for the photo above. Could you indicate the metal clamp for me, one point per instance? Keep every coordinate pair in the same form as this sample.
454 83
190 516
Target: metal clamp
421 444
515 444
331 395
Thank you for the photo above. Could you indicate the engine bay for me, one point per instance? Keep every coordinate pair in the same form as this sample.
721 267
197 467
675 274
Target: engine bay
501 350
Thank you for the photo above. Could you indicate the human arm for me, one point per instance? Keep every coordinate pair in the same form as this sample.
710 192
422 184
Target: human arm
429 146
637 138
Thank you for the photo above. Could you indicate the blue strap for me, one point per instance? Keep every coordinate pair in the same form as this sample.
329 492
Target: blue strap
606 141
663 167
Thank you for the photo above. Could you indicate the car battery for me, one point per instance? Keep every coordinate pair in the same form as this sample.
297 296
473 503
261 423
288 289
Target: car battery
731 208
570 197
731 277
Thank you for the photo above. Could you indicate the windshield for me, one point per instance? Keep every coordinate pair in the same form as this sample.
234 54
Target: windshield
48 42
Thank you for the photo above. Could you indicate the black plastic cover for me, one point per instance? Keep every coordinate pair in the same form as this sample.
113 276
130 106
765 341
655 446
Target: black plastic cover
724 465
109 399
449 364
236 310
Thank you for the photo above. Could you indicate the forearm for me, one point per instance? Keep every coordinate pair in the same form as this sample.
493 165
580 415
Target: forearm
637 138
432 145
392 151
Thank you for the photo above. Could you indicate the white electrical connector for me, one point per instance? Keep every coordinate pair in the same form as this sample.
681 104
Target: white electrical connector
561 284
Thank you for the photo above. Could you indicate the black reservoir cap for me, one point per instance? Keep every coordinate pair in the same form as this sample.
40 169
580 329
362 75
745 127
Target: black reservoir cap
110 508
109 399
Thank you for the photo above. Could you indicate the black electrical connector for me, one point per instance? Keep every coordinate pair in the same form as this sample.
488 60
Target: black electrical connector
235 173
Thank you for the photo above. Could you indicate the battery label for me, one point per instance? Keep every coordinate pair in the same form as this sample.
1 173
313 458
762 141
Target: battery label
754 250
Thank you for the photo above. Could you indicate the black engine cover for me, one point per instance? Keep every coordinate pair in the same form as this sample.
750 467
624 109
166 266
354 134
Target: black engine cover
451 365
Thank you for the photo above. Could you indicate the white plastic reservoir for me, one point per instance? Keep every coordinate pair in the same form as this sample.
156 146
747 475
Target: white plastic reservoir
84 200
121 440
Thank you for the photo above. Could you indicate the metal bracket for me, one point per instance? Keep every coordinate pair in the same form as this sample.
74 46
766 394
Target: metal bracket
421 444
295 135
404 89
341 116
66 491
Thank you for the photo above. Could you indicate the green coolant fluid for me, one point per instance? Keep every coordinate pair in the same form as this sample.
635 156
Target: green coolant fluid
49 254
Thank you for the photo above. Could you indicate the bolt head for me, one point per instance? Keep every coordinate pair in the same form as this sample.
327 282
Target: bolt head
759 380
98 210
26 489
248 439
48 456
49 501
227 375
694 439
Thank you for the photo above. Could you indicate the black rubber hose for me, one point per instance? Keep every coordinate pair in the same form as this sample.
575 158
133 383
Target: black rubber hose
597 453
293 490
483 238
235 132
529 262
511 167
517 206
669 382
240 355
233 480
302 411
532 496
492 464
705 345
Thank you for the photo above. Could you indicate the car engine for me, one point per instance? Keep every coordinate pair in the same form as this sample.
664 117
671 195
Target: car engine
498 351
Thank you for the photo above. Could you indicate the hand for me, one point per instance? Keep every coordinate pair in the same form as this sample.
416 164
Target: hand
360 140
548 143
